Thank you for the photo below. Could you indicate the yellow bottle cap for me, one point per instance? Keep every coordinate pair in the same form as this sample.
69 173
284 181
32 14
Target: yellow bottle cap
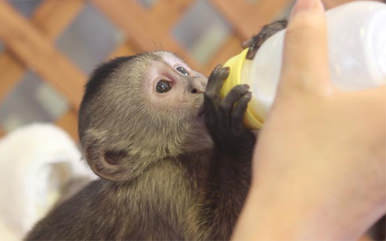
251 119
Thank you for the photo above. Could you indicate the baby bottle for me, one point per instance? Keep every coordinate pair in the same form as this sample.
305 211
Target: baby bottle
356 49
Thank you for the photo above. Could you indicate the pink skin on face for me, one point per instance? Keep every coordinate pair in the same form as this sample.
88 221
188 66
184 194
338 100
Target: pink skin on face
185 92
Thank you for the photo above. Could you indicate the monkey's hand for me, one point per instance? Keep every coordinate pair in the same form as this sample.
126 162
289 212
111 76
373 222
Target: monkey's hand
224 117
267 31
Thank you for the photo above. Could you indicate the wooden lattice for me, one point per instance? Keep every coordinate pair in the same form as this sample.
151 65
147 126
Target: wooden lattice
29 44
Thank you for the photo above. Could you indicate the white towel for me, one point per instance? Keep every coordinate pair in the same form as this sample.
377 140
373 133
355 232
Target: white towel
35 162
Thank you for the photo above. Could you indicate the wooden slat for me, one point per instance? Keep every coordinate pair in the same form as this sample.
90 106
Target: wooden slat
69 123
50 18
231 47
169 11
144 32
37 51
131 18
124 49
11 72
248 18
53 16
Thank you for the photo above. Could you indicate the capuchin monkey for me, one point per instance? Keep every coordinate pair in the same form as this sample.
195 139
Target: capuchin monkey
173 157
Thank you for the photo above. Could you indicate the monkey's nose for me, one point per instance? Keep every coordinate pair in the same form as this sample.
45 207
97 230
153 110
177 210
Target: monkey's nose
197 91
197 87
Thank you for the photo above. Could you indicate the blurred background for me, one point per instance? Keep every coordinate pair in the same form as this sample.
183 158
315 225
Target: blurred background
49 47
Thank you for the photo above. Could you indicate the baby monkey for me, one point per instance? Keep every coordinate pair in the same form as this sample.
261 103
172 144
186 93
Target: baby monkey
174 158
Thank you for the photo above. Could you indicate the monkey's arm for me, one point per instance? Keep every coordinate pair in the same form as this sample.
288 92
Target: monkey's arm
267 31
230 168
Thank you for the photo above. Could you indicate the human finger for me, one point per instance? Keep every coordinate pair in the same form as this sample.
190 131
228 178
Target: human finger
305 56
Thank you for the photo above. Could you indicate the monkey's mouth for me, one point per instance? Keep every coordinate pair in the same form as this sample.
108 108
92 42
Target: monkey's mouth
201 116
198 105
201 110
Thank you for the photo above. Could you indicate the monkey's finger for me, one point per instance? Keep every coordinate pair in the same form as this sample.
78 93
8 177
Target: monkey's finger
210 112
212 77
209 104
234 96
219 78
247 43
266 32
252 52
305 58
240 109
272 28
216 81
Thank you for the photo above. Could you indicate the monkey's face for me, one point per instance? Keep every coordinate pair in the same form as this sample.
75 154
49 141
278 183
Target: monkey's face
173 87
142 107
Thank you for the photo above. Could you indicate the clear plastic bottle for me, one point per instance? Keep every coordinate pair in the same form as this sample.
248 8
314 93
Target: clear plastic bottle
357 57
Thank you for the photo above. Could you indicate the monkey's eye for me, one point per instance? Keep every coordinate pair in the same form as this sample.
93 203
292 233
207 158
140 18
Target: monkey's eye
163 86
182 70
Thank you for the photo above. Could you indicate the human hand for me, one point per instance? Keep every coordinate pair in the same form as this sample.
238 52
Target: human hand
320 162
334 3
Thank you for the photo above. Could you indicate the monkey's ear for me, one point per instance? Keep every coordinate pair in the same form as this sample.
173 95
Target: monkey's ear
110 165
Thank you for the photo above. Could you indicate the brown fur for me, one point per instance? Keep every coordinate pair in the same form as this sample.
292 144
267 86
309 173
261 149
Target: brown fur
172 182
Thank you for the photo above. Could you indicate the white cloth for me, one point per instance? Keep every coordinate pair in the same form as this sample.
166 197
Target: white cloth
35 162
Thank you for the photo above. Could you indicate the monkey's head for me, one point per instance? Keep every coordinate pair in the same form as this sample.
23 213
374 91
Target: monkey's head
139 110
